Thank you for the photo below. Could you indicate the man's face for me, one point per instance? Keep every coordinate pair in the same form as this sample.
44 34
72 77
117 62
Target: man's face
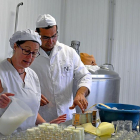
48 38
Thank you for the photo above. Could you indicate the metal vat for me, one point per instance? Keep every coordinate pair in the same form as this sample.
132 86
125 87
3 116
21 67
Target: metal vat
105 87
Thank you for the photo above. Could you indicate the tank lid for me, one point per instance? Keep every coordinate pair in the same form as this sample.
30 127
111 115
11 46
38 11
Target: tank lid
105 74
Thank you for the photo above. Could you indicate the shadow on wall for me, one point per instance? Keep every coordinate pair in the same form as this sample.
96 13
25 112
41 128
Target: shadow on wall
9 32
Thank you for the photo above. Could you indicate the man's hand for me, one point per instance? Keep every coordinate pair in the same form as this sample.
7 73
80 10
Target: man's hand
1 88
80 99
5 100
43 101
60 119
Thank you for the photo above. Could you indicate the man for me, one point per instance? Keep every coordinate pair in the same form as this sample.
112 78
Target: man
56 68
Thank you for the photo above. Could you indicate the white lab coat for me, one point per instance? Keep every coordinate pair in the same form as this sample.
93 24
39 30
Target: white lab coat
28 91
56 73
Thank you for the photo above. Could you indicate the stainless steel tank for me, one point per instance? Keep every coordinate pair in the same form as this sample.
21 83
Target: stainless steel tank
105 87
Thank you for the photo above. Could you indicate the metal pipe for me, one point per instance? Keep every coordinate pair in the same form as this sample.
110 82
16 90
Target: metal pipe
111 31
16 20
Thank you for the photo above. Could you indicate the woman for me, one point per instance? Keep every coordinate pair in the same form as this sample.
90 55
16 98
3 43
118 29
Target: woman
18 80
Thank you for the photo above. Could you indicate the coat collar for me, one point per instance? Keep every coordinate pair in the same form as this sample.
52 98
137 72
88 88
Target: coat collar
55 50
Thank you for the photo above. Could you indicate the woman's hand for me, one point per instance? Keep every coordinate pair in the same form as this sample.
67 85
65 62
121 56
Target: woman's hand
60 119
44 100
1 88
5 100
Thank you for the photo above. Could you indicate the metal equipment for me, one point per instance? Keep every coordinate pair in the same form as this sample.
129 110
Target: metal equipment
105 84
105 87
16 20
75 45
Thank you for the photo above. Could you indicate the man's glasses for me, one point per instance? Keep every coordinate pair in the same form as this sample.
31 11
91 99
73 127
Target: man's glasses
27 52
48 38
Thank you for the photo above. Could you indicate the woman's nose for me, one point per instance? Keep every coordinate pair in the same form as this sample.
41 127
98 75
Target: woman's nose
30 55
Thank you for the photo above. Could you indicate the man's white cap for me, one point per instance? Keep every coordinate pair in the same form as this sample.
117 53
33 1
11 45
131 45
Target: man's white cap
25 35
44 21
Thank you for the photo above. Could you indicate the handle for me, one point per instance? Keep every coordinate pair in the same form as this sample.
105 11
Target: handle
99 104
105 105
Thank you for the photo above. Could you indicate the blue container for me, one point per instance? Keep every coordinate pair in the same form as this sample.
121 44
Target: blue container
124 112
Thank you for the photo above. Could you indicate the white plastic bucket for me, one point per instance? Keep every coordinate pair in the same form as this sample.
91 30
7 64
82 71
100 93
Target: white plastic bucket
14 116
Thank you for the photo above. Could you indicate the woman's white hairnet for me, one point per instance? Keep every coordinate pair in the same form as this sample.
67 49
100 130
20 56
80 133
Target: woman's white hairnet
25 35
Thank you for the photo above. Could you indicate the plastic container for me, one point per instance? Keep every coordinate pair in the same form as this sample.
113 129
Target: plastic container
124 112
14 116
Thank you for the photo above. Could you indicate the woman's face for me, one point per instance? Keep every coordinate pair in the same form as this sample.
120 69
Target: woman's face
20 53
